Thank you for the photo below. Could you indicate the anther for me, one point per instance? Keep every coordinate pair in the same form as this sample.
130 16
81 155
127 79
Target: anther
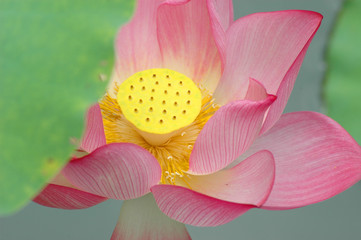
150 109
169 84
180 83
151 98
130 97
140 79
153 90
140 100
154 75
161 121
163 102
147 119
135 110
188 102
189 92
184 112
165 92
156 83
174 117
143 88
131 87
175 104
164 111
167 76
177 93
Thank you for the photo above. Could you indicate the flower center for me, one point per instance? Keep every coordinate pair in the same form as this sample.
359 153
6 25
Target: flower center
159 101
171 140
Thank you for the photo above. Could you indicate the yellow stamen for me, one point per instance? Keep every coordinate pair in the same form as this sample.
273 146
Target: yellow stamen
173 153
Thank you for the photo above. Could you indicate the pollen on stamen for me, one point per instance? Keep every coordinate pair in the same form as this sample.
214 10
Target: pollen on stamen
173 155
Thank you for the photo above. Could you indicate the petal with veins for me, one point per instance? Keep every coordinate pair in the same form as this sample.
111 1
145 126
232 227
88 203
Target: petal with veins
118 171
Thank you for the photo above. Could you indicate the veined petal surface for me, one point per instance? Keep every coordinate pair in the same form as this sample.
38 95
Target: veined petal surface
119 171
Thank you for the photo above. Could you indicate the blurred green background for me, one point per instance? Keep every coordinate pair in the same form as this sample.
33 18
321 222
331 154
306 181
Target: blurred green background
334 219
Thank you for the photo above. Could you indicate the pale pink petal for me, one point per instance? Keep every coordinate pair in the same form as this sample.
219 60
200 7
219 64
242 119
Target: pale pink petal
227 135
256 91
249 182
94 136
118 170
315 159
141 219
190 207
221 17
57 196
284 91
137 47
187 43
264 46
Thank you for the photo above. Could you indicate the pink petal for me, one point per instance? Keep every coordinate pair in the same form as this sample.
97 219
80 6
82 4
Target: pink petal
249 182
221 16
141 219
190 207
137 47
187 43
256 91
315 159
227 135
57 196
94 136
264 46
118 170
284 91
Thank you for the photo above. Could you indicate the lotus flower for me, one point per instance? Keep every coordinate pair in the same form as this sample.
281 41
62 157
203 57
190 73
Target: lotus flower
192 124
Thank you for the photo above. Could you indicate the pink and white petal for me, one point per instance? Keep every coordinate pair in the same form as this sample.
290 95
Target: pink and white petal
227 134
221 16
315 159
63 197
256 91
249 182
264 46
137 47
186 42
284 91
141 219
94 136
190 207
119 171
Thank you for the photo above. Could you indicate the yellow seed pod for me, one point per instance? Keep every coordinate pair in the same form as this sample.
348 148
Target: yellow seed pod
159 101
